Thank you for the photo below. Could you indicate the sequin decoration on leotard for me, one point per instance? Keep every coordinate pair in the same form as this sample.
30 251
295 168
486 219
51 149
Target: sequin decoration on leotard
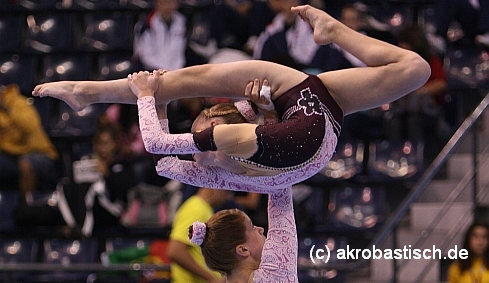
296 140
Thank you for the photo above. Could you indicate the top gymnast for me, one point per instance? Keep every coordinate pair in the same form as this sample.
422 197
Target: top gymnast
270 156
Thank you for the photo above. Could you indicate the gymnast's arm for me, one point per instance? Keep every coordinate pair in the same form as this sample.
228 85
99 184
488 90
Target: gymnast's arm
190 172
158 140
279 256
156 137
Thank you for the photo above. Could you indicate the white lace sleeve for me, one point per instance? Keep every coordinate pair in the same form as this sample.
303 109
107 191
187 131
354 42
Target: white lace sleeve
156 137
279 256
189 172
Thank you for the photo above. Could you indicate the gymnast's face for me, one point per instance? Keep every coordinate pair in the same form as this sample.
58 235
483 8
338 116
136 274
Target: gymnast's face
479 240
255 240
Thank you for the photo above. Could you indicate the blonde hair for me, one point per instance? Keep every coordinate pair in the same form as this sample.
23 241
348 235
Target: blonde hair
226 111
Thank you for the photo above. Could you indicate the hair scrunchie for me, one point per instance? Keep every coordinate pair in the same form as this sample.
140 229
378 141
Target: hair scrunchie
244 107
198 233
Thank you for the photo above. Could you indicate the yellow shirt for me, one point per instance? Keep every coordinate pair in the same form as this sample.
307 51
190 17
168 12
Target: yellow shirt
193 209
21 131
476 274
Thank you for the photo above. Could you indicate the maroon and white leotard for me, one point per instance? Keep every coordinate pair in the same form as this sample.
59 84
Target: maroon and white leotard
286 152
279 255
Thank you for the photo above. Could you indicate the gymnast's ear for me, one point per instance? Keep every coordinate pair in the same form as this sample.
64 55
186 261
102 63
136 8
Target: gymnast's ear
242 250
217 121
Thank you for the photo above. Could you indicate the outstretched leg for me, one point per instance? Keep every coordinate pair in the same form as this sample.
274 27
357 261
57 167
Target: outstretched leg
391 71
214 80
80 94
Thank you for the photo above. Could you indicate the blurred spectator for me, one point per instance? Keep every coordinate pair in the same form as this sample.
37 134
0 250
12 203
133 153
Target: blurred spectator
182 112
125 116
160 40
475 267
117 174
288 40
419 115
187 260
27 156
473 17
234 26
238 23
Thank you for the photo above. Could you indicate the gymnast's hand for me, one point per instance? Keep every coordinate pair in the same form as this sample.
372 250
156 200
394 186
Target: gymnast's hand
144 83
262 98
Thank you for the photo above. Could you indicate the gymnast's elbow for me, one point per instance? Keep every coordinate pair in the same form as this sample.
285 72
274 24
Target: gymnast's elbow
420 69
151 146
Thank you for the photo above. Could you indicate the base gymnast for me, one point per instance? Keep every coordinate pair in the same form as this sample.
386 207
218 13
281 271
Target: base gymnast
232 245
311 107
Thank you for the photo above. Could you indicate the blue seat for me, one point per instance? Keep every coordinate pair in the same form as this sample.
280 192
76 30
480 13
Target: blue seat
120 243
310 208
18 250
394 15
9 6
320 260
45 107
426 18
19 69
356 208
43 5
69 123
115 66
58 67
40 214
107 31
97 5
9 199
140 4
50 32
11 27
467 68
346 164
395 161
65 252
45 198
21 250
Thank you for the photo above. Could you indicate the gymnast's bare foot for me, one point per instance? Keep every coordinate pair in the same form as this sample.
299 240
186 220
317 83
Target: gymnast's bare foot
322 23
63 90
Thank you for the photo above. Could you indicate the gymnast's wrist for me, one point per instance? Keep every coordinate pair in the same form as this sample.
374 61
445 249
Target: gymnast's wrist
145 93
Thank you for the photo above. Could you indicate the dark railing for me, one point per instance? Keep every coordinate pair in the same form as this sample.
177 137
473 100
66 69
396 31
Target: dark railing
91 267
